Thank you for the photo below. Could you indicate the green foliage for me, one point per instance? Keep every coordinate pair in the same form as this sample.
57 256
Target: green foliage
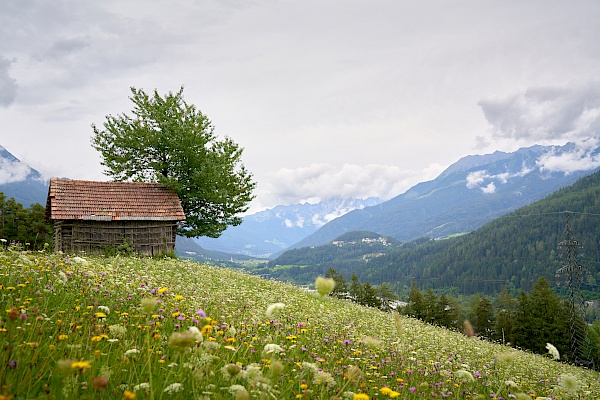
529 321
484 318
170 141
26 226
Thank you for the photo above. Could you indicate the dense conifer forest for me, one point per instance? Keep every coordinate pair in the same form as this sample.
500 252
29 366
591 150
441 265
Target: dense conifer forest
513 251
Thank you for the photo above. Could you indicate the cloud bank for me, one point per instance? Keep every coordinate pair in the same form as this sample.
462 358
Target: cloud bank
13 171
8 85
322 182
583 156
546 113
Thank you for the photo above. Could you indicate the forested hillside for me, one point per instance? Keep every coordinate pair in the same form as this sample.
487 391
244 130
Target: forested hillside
514 250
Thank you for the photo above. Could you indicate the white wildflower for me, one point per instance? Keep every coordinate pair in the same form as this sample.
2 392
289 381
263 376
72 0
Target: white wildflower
271 350
252 374
234 389
117 330
141 386
310 367
62 277
80 261
104 309
173 388
131 352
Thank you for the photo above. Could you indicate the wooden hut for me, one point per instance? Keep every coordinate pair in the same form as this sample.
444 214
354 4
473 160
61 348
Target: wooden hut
94 217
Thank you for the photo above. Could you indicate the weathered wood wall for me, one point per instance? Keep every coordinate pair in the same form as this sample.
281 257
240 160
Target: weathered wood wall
147 238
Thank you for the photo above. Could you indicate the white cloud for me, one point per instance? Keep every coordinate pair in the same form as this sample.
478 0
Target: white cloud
542 113
321 182
8 85
489 189
475 179
581 157
13 171
487 182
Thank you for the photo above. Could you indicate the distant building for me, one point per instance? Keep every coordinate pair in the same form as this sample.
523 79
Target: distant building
592 303
93 217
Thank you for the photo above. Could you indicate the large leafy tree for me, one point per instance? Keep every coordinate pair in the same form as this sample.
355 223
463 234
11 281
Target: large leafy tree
169 141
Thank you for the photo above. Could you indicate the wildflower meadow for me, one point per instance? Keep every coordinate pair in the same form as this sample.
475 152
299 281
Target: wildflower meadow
132 328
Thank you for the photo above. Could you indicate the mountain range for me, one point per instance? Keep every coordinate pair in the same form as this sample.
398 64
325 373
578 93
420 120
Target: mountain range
267 232
21 182
471 192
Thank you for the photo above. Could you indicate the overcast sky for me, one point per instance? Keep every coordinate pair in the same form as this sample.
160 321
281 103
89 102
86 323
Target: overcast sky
327 98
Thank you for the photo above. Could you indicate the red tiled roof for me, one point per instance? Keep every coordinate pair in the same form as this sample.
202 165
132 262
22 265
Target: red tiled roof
108 201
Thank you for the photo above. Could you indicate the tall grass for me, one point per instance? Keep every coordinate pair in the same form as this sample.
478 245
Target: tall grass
124 327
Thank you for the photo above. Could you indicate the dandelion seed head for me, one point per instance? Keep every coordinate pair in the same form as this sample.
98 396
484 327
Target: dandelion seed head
181 341
149 305
323 378
569 383
276 368
324 285
274 308
231 370
354 373
196 333
468 328
464 375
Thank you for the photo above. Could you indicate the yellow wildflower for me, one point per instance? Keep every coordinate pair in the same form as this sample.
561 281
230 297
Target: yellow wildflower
385 390
127 395
80 365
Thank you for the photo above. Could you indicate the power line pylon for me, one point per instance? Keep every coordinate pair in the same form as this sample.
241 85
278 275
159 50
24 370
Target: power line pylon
572 275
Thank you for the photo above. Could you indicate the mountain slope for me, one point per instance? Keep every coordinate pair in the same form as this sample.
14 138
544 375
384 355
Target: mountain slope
471 192
266 232
513 250
20 181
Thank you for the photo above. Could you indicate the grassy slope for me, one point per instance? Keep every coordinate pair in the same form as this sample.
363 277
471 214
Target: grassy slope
88 310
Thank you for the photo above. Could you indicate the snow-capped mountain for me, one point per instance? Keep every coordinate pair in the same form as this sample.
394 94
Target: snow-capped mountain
471 192
270 231
21 182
